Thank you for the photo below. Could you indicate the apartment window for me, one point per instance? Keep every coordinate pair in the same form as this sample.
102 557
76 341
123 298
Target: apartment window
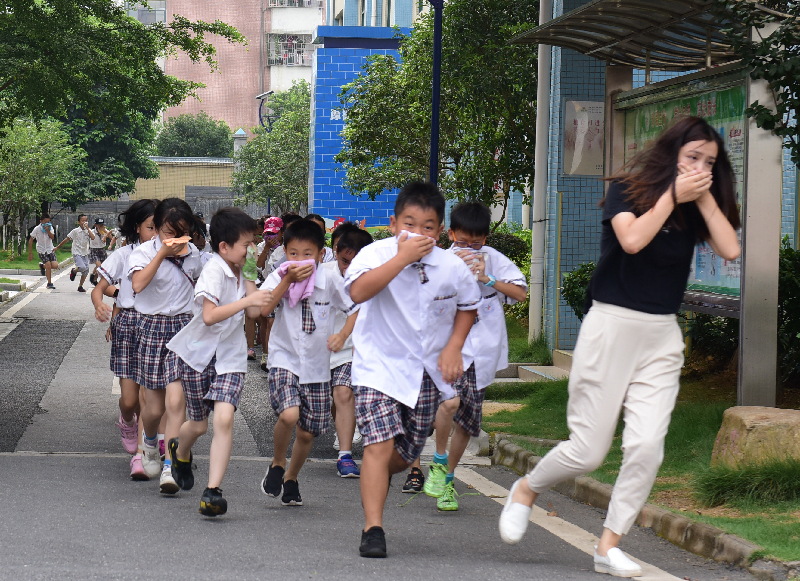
362 9
295 3
294 50
155 11
388 12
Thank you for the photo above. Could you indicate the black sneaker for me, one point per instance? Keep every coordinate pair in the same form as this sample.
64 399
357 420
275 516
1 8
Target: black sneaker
93 279
373 544
273 481
41 269
212 503
72 275
81 289
51 286
414 481
181 471
291 494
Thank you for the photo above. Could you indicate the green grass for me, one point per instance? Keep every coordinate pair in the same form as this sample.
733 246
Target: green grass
520 351
22 261
8 280
760 518
749 486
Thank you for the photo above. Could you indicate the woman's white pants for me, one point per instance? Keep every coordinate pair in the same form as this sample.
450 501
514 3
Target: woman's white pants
623 360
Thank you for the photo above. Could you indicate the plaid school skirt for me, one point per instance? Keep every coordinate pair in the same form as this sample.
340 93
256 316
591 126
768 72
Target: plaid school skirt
123 343
152 337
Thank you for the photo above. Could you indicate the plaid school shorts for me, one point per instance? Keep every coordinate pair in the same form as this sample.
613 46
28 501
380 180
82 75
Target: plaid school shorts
340 375
381 417
97 254
470 410
203 388
313 399
47 256
154 369
123 343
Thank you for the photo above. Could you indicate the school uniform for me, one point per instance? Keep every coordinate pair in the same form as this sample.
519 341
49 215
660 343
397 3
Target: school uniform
397 340
124 325
275 259
44 245
488 341
97 247
212 359
329 256
205 256
165 307
341 361
298 359
80 248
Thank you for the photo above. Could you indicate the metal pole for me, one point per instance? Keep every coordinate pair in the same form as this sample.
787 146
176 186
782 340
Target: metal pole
438 6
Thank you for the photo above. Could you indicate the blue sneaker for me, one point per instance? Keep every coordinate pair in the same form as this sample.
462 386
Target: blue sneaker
347 467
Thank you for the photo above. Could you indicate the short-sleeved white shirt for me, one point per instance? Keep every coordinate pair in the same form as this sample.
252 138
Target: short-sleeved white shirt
114 269
205 256
80 241
43 242
170 292
401 331
275 259
99 241
306 354
488 336
197 342
329 257
340 318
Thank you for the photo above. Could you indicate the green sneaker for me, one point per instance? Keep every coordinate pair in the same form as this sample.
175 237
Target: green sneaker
447 501
434 484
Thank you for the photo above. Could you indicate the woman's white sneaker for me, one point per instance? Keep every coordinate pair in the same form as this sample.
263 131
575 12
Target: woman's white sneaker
615 563
514 519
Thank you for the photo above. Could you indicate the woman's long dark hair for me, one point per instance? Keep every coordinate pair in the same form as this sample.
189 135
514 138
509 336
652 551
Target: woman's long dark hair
654 171
133 217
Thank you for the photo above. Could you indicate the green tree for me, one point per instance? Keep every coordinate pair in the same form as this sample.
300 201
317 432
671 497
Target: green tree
55 54
488 111
195 136
774 58
37 164
273 166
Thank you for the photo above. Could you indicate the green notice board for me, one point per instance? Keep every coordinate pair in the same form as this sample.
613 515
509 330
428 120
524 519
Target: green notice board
724 110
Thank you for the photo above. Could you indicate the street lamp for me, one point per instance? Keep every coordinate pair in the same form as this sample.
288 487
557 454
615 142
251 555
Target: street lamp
266 116
438 6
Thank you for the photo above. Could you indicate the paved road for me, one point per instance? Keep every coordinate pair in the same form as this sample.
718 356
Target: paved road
69 511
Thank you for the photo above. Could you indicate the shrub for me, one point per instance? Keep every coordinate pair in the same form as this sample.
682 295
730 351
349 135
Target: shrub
761 484
789 312
381 233
715 336
574 286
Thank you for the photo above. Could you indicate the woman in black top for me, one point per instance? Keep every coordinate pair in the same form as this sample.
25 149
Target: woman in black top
630 348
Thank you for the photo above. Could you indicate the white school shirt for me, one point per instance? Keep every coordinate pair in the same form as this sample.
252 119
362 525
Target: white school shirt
329 257
197 343
401 331
43 242
306 354
205 256
170 292
98 241
488 336
80 241
115 269
275 259
340 318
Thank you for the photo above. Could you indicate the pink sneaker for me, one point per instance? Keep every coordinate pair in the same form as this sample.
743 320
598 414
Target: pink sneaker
162 449
129 434
137 470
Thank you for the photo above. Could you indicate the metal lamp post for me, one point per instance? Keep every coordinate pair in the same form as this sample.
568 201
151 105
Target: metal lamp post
438 7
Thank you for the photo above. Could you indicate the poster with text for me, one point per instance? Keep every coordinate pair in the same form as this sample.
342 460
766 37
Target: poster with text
724 111
583 138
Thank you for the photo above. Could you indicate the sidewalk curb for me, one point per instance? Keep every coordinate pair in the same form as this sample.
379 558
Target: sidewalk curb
698 538
26 272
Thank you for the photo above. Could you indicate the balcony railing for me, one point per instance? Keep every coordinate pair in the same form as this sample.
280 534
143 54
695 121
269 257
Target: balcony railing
293 50
295 3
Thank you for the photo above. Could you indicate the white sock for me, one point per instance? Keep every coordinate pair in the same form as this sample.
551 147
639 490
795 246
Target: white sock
160 437
343 452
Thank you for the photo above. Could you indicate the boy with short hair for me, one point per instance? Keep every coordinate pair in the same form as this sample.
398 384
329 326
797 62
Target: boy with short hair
43 235
500 282
97 246
210 356
419 303
299 360
80 236
348 240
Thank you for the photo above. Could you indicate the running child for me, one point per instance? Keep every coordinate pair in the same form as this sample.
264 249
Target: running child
80 236
162 274
97 246
210 354
418 306
348 239
43 235
500 282
136 224
299 360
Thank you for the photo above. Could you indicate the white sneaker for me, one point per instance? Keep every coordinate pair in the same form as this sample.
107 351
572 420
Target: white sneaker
357 437
151 460
167 484
615 563
336 443
514 519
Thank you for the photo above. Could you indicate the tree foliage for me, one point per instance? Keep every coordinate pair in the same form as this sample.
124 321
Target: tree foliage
774 58
55 54
195 136
273 166
488 115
